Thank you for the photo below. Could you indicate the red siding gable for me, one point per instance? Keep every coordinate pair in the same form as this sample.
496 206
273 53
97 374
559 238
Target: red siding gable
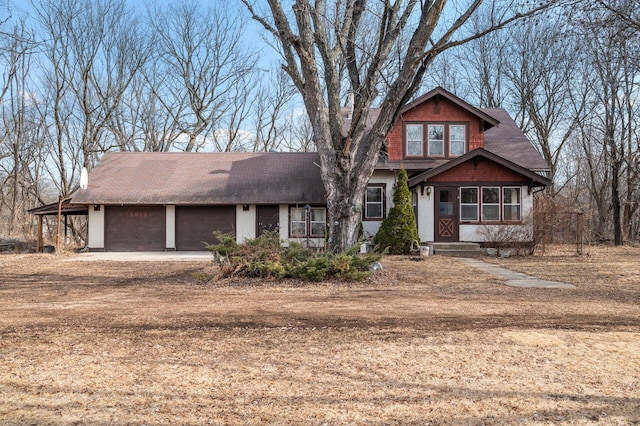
480 170
439 110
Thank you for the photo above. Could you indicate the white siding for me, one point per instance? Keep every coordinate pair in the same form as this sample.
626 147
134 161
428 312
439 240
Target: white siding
284 224
245 223
170 227
371 227
425 213
96 228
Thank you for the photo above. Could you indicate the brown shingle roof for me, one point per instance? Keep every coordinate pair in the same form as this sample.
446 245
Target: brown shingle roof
508 141
204 178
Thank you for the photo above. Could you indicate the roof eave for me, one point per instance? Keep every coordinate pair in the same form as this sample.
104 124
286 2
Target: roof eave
488 120
536 179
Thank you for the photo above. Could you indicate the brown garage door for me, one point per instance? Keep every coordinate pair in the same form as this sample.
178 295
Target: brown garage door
195 224
137 228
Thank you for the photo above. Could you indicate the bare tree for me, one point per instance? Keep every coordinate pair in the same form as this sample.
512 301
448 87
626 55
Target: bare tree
350 43
273 96
94 49
18 150
204 70
625 10
540 71
298 134
613 123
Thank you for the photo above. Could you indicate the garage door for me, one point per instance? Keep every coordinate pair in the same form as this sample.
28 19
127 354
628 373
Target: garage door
135 228
195 225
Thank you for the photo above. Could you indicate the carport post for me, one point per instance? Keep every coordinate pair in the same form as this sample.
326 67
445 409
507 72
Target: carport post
58 228
40 242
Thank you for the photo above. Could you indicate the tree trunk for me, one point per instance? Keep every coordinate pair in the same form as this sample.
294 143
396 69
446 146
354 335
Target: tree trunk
615 201
344 206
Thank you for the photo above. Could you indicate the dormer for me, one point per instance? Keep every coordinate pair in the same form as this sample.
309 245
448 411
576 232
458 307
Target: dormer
437 126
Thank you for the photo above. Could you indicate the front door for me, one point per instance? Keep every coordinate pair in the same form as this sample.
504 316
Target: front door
268 218
446 214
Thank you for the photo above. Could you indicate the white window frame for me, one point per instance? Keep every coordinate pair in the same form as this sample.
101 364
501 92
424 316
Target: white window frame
486 204
308 221
463 141
431 142
476 204
313 221
293 215
506 204
367 203
414 142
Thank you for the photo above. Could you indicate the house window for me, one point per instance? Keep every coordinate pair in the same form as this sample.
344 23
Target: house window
374 203
456 140
436 139
313 225
414 139
469 204
318 225
491 204
511 204
298 222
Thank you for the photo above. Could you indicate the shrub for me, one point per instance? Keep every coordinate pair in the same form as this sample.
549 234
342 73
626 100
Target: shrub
264 257
398 230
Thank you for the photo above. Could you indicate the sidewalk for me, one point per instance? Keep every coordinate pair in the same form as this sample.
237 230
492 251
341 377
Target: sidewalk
151 256
514 279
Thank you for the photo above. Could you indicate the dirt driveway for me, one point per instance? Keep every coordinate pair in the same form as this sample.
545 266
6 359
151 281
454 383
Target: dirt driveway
432 342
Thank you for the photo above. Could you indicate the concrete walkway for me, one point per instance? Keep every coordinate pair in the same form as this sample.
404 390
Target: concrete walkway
151 256
514 279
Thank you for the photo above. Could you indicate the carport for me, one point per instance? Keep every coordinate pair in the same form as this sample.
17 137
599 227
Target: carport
62 209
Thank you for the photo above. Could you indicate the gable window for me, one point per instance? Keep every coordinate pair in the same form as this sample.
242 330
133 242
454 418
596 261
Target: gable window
469 204
436 139
311 225
456 139
414 139
491 203
374 203
511 204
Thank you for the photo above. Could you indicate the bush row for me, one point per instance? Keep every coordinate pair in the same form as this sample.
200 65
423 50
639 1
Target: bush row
265 257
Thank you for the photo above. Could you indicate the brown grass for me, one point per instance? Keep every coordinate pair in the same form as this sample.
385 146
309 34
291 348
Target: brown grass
429 342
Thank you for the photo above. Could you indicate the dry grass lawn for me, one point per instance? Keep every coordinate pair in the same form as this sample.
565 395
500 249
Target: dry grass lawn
429 342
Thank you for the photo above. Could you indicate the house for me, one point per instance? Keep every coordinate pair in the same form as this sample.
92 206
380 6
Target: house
469 169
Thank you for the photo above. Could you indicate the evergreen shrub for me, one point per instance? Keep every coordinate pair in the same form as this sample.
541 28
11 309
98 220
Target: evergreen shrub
265 257
398 230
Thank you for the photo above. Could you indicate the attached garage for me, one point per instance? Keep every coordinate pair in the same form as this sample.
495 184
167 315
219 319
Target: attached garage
135 228
195 225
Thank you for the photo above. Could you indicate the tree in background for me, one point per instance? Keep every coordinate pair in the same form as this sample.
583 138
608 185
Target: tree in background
398 230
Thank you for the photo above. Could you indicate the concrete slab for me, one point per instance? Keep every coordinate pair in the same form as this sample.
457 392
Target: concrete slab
145 256
514 279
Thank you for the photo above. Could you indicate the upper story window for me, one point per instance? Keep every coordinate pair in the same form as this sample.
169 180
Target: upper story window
457 139
414 139
435 139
